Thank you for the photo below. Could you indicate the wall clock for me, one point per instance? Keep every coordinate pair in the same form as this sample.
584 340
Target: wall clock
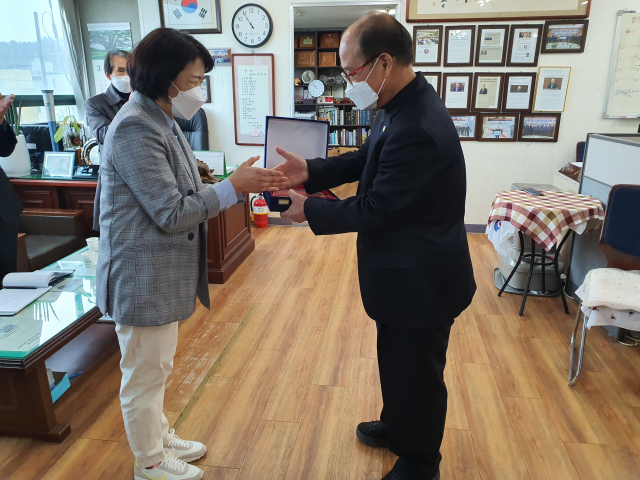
316 88
252 25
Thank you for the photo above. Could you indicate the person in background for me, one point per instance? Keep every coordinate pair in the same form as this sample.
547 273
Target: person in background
10 204
414 264
153 237
102 108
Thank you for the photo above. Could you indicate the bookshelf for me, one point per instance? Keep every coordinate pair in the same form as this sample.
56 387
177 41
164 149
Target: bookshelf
346 127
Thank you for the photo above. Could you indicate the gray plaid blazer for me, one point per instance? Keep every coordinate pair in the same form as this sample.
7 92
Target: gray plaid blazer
153 220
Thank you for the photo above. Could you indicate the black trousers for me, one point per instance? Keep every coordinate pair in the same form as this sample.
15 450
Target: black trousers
8 246
411 363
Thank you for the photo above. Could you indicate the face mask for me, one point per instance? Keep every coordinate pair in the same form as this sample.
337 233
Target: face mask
187 104
364 97
122 84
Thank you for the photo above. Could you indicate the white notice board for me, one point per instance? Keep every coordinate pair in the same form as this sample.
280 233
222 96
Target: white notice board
623 96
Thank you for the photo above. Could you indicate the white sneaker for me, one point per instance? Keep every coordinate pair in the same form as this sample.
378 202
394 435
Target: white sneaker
171 468
184 450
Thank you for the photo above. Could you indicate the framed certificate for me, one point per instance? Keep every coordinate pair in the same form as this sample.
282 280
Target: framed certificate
456 89
435 80
524 45
518 92
487 92
492 45
253 96
539 127
466 126
497 127
458 46
427 42
551 89
562 36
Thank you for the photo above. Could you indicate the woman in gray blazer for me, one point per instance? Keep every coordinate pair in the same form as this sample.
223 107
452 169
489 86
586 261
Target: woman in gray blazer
153 248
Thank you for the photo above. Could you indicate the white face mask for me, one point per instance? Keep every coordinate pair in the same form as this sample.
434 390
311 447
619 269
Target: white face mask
122 84
364 97
187 104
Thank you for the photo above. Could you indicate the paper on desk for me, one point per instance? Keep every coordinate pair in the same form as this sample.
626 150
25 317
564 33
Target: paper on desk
215 161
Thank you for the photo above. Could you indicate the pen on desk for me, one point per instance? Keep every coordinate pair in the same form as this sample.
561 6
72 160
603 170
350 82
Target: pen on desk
73 375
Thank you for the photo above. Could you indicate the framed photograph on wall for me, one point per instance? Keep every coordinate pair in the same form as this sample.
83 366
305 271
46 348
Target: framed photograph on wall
551 89
487 92
435 80
491 49
253 96
202 16
206 87
539 127
467 11
564 36
518 92
427 42
497 127
524 45
221 56
466 126
456 91
458 45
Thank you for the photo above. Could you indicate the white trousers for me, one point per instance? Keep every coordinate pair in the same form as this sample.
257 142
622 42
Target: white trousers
147 361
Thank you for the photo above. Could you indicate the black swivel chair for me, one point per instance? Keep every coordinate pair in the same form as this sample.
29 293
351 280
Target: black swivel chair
196 130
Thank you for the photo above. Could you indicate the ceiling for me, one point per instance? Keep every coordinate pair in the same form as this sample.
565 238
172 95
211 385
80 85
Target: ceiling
334 16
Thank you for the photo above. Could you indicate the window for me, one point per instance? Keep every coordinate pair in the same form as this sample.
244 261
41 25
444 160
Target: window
33 52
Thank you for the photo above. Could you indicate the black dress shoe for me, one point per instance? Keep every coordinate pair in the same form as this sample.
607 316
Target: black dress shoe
411 470
373 434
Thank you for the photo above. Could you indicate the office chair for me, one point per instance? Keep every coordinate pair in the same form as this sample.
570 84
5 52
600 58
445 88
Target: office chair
620 246
196 130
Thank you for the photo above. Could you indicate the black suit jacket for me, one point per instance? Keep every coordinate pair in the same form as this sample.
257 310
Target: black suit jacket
413 257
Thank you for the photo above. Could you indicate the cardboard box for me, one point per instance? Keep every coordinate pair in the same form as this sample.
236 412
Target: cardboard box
327 59
330 40
305 59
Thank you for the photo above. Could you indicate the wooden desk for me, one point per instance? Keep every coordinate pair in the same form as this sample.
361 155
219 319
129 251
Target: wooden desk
228 244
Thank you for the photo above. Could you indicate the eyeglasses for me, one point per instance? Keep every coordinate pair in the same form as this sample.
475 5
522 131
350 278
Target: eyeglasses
348 76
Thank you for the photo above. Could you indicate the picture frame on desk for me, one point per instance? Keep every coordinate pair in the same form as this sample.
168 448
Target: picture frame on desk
58 164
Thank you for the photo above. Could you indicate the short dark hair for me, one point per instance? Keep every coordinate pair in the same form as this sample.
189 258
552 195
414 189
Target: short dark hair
108 67
382 33
160 57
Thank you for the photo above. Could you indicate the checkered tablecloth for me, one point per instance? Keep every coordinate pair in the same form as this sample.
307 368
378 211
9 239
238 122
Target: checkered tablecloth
545 219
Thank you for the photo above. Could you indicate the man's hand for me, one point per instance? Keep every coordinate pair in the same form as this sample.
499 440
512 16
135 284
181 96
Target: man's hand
247 179
294 168
5 103
296 210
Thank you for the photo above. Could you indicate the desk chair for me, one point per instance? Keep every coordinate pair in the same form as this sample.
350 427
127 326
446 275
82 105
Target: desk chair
620 246
196 130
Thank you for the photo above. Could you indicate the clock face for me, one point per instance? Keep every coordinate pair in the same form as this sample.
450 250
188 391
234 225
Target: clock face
316 88
252 25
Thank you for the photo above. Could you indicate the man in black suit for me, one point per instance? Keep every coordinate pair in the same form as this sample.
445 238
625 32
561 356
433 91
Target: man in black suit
414 266
10 204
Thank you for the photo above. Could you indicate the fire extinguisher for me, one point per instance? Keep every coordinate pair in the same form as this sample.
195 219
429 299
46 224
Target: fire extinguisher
260 211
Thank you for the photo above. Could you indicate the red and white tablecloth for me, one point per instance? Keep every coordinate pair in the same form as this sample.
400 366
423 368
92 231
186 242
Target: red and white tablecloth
546 219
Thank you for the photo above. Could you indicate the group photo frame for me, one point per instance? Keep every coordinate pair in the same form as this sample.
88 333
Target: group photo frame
560 36
539 127
466 126
498 127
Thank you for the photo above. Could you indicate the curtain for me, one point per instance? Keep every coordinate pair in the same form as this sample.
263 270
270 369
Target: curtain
73 37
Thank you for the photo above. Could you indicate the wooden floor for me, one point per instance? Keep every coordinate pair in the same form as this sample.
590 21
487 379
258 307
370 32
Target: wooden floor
277 375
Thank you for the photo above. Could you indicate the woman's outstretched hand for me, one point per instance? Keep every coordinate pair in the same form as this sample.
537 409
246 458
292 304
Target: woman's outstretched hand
247 179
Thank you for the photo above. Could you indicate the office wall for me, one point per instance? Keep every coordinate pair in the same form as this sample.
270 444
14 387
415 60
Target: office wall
106 11
491 167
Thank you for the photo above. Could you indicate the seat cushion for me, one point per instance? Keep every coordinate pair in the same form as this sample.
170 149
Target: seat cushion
43 250
613 288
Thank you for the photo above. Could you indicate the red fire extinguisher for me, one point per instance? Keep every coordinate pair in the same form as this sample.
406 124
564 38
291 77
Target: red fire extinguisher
260 211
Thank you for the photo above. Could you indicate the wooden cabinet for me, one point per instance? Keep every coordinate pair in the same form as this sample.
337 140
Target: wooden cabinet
228 244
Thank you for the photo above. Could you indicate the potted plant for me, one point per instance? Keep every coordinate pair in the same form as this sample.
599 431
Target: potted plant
70 129
18 163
